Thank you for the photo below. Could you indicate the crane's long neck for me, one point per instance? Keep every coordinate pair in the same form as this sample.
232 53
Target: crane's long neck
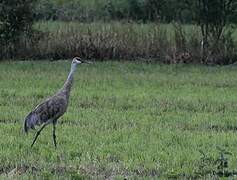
69 82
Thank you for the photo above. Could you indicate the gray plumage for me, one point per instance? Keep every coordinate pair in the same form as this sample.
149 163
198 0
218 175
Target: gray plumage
52 108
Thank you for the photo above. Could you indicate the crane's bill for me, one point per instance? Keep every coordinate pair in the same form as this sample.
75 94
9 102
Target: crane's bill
87 62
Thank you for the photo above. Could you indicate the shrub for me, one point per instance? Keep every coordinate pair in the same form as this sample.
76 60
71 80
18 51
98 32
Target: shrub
214 16
16 19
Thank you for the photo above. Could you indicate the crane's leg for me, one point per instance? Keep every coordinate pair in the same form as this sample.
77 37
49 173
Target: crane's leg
38 133
54 135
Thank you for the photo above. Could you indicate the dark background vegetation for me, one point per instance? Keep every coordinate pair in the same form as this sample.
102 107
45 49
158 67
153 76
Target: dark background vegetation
125 29
164 11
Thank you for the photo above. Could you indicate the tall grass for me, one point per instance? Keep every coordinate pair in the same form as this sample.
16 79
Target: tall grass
165 43
106 41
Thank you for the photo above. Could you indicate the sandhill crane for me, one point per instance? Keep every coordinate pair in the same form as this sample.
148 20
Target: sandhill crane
52 108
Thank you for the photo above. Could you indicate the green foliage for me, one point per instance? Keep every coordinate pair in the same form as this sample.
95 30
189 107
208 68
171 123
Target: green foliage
84 11
136 10
16 17
212 28
165 11
16 20
126 120
45 10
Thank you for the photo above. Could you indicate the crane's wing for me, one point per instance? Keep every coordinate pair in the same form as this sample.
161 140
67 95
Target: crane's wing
51 109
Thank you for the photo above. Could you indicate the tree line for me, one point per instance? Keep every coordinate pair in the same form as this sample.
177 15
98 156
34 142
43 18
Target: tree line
164 11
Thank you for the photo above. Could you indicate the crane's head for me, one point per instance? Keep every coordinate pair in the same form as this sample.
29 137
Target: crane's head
76 61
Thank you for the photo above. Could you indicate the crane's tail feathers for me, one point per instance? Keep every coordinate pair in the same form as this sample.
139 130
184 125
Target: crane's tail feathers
30 121
25 127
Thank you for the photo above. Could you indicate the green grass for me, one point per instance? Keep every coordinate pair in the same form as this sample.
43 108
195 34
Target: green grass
124 120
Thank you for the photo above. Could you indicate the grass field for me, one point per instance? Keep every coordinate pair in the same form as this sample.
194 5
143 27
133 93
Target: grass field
132 120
